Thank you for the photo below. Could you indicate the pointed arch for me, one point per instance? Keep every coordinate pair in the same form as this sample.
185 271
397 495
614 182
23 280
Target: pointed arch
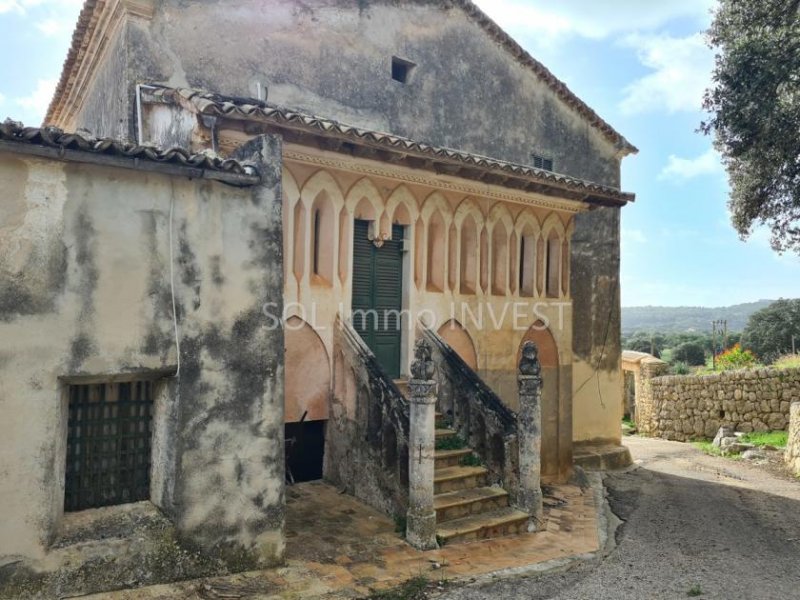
399 199
553 235
500 226
459 339
364 196
469 207
291 196
322 181
436 201
528 232
308 373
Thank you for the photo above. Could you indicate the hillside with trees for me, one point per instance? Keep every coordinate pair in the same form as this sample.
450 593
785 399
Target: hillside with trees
687 319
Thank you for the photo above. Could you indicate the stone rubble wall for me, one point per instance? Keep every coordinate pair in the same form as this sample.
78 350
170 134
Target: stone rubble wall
684 408
793 445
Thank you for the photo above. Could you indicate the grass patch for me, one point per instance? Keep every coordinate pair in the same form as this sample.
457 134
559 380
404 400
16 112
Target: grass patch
470 460
790 361
400 523
413 589
710 449
695 591
452 442
769 438
707 447
629 423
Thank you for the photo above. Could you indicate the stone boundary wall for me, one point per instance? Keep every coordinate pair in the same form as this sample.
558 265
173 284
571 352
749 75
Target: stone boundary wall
683 408
793 445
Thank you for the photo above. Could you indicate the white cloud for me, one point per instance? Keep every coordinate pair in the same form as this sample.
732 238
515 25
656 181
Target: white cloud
681 71
591 18
22 6
680 169
37 102
634 235
52 26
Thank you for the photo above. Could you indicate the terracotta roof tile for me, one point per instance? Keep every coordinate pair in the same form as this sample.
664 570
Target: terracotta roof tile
52 137
211 104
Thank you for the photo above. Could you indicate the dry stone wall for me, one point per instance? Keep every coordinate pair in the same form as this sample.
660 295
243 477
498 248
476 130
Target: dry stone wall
691 407
793 445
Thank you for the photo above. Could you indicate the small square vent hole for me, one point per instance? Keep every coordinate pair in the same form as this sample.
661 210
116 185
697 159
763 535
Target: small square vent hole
401 69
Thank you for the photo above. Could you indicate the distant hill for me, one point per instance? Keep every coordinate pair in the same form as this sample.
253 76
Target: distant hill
676 319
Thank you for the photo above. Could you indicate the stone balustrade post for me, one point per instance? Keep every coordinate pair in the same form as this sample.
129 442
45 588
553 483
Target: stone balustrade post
529 429
421 516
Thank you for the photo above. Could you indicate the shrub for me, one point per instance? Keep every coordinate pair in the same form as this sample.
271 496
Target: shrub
736 358
680 368
690 353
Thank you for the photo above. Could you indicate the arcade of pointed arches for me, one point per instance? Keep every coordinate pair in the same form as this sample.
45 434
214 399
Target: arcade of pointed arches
458 248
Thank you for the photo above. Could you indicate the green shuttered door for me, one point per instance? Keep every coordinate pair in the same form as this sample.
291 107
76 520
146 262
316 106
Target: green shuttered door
377 294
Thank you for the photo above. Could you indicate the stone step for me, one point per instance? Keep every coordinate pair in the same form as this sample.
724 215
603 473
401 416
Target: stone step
452 479
402 385
463 503
496 523
442 433
450 458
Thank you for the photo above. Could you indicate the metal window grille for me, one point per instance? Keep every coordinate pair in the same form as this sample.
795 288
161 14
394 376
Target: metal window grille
108 444
540 162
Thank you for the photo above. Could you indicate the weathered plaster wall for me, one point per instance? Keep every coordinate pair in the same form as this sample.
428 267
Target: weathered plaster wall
596 327
688 407
793 444
333 58
85 280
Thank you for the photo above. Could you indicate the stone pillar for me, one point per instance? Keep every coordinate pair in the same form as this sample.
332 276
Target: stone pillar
793 443
529 430
421 517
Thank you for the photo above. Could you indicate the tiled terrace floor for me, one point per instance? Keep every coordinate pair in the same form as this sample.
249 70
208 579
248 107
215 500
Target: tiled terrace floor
337 547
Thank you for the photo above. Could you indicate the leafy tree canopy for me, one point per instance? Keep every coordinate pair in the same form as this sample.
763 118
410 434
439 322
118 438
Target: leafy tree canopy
691 353
769 332
754 104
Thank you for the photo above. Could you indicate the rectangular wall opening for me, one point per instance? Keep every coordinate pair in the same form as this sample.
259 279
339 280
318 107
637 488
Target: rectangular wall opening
109 438
305 450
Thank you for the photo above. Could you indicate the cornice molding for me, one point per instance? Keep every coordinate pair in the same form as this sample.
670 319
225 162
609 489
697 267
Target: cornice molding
367 167
100 22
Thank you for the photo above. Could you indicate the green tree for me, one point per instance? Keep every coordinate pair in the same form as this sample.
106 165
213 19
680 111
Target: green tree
769 331
754 104
691 353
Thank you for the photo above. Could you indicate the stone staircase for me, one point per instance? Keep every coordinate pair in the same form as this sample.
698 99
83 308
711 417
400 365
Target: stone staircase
467 508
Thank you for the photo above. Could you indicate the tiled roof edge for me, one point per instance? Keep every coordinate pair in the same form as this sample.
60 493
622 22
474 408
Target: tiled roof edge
211 104
52 137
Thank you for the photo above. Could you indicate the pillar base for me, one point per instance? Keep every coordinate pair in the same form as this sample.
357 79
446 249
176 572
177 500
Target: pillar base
421 531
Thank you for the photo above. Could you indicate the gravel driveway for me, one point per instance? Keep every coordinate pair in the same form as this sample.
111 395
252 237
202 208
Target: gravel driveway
694 526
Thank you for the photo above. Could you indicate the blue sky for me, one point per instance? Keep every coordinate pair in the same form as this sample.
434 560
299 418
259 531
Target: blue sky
642 65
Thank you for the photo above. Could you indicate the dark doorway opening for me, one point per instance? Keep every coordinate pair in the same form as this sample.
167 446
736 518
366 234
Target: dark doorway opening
305 450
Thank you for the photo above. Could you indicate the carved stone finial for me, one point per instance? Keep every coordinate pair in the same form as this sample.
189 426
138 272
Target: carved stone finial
529 362
422 368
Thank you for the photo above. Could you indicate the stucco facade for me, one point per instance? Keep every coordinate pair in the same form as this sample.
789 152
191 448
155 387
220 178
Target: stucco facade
118 269
447 100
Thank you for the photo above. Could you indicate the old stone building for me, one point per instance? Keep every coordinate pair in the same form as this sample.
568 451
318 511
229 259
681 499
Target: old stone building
431 173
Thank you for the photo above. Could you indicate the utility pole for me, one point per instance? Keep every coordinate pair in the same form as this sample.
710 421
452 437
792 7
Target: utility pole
714 345
725 335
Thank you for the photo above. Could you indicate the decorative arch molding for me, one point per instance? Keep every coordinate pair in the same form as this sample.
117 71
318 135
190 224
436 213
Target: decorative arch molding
307 373
460 340
400 197
526 219
436 201
553 223
364 190
469 207
322 182
500 213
